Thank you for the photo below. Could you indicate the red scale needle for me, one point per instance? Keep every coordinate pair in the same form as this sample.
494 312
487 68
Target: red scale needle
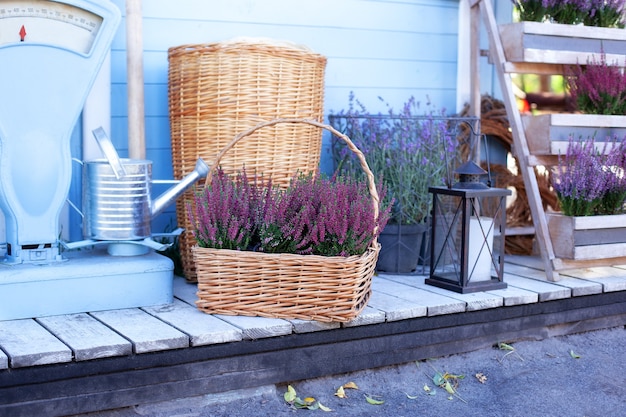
22 33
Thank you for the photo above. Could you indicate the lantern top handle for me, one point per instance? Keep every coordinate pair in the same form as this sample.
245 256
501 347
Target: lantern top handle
472 157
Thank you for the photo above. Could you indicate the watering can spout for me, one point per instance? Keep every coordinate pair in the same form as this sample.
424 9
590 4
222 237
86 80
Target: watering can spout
164 200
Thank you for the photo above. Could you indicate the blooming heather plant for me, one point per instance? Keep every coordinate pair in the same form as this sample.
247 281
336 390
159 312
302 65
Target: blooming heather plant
314 215
598 88
225 212
410 152
588 182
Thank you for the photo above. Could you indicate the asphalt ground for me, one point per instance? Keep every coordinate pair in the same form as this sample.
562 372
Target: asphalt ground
580 375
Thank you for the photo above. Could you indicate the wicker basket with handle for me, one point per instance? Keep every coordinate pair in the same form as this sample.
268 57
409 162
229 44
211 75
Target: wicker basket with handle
217 90
309 287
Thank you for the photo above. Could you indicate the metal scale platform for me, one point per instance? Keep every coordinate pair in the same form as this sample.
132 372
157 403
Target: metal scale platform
51 52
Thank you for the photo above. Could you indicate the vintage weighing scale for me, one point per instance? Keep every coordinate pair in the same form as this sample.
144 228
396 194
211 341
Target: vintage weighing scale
50 54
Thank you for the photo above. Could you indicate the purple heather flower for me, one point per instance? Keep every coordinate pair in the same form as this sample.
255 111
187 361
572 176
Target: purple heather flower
598 88
590 182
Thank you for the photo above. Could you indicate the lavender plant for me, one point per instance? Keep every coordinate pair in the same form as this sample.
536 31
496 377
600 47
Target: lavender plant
567 12
314 215
606 13
598 88
588 182
531 10
601 13
411 150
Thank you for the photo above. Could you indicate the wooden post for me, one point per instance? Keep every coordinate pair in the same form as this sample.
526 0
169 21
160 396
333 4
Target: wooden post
134 60
475 100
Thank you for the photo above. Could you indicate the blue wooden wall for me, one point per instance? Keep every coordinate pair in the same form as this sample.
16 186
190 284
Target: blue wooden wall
388 48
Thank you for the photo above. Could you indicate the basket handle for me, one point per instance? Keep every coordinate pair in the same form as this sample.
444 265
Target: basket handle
371 185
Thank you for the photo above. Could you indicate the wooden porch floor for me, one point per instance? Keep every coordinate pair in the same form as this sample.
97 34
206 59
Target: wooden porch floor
77 363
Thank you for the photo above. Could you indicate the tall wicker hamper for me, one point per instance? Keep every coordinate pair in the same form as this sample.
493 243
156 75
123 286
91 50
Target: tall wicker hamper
221 89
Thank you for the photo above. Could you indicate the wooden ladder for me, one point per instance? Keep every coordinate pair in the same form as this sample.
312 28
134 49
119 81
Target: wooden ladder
534 62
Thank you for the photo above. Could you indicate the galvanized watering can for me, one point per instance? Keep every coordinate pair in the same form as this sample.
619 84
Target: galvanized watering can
117 203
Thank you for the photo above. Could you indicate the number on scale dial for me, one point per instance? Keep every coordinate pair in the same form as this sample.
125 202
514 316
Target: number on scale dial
45 22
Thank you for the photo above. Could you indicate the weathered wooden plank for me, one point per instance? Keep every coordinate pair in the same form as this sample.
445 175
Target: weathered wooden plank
578 287
87 337
569 31
396 308
562 264
474 301
368 315
547 291
516 296
525 271
4 360
611 278
28 344
309 326
202 329
534 262
587 237
435 304
558 43
146 333
185 291
258 327
549 134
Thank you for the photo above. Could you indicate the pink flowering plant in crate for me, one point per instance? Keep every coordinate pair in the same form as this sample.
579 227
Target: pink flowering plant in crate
598 87
588 182
313 216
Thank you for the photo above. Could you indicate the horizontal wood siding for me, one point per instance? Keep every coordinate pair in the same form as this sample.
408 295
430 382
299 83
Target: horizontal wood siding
376 48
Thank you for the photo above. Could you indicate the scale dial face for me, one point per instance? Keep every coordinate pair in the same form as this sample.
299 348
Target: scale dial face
45 22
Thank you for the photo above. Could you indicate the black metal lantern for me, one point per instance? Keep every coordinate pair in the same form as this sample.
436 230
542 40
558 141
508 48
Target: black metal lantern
467 234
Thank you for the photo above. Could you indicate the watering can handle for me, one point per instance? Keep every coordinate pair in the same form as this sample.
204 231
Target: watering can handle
109 152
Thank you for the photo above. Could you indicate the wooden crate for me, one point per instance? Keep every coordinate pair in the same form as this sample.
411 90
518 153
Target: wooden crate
588 237
553 43
548 134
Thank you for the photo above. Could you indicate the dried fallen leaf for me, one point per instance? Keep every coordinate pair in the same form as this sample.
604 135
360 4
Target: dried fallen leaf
448 387
290 395
504 346
323 407
350 385
341 393
482 378
410 397
313 406
438 379
373 401
298 403
510 349
574 355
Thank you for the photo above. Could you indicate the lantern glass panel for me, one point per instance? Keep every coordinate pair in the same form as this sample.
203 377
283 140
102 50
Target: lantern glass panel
467 238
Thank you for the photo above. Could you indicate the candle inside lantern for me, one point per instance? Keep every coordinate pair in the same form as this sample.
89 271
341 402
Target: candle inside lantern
480 245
